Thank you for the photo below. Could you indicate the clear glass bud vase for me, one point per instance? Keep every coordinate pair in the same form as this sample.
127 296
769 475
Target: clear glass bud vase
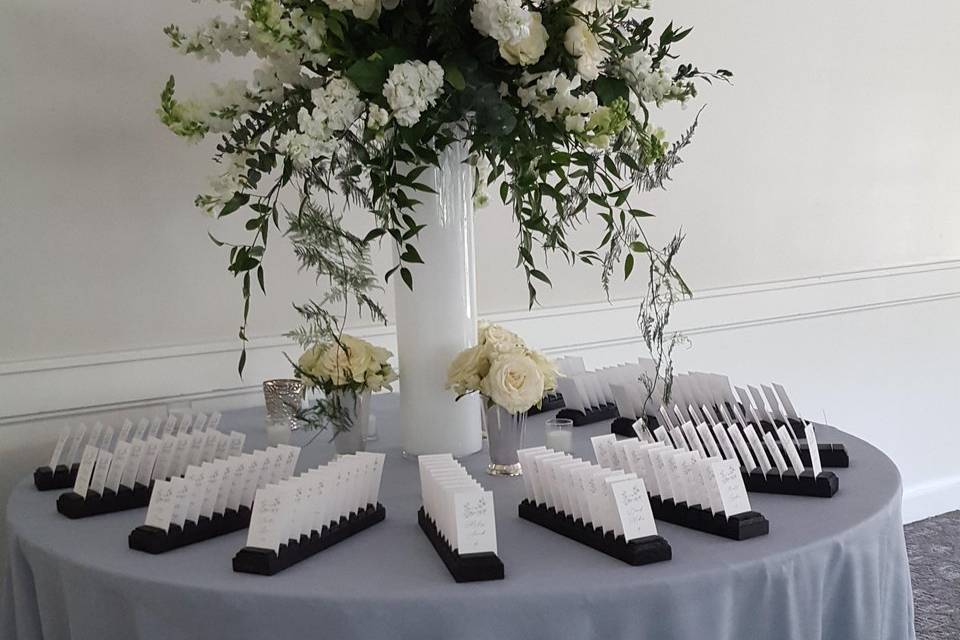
438 318
357 407
505 432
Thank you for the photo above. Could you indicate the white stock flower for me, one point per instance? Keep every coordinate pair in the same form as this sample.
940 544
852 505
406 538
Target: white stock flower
581 43
514 382
411 88
531 48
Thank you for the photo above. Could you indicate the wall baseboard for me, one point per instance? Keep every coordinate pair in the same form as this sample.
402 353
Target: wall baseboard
182 375
931 499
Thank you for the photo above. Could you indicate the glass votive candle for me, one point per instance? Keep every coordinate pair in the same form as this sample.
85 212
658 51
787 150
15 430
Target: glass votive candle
558 434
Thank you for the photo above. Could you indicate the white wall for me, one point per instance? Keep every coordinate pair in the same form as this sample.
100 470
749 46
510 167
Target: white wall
827 170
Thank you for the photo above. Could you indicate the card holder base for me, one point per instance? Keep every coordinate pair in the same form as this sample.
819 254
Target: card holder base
645 550
741 526
550 402
624 426
63 477
267 562
469 567
155 540
591 415
74 506
824 485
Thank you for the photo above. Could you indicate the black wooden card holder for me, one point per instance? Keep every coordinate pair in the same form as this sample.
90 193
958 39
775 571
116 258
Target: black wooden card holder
593 414
74 506
470 567
741 526
267 562
47 479
824 485
550 402
154 540
636 552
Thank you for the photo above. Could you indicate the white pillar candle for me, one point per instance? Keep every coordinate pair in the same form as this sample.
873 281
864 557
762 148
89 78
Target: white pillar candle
560 440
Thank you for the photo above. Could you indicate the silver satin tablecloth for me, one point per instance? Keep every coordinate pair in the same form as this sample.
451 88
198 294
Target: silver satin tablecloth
829 569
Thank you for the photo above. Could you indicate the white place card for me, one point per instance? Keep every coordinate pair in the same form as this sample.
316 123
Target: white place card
757 447
746 457
811 437
57 454
99 478
679 442
725 444
214 474
667 422
75 450
729 482
125 430
181 500
787 442
155 426
160 509
775 452
164 462
572 397
774 404
151 449
196 481
785 401
660 433
475 522
88 460
691 433
633 509
603 450
121 455
708 441
235 446
170 426
267 526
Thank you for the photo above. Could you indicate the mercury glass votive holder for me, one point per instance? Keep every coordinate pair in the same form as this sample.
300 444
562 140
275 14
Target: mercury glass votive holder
282 398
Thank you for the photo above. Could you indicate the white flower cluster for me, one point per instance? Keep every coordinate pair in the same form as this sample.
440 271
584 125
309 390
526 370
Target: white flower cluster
520 33
362 9
552 95
337 105
351 363
411 88
652 85
503 369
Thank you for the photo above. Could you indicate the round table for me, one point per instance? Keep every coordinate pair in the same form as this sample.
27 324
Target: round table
829 569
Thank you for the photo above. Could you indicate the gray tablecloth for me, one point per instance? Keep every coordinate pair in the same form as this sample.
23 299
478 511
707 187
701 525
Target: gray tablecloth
830 569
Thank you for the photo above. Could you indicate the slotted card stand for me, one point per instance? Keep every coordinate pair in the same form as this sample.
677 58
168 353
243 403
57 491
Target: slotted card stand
267 562
47 479
550 402
469 567
741 526
807 484
75 506
645 550
155 540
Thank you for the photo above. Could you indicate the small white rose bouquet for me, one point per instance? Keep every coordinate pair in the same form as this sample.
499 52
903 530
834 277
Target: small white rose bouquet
503 370
348 364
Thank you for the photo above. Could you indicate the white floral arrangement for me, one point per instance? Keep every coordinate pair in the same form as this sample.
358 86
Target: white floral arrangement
352 100
348 364
503 369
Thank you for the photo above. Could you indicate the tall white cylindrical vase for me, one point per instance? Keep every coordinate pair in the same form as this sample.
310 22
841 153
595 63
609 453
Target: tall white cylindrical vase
438 319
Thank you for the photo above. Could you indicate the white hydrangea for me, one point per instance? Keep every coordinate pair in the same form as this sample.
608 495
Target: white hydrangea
411 88
362 9
226 183
338 103
506 21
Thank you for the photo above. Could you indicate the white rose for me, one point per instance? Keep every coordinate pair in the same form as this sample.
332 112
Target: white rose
467 370
547 369
514 382
531 48
581 43
495 340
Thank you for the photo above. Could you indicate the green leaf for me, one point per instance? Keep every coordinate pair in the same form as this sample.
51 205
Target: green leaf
243 361
541 276
215 241
260 279
454 76
237 201
609 89
639 247
411 255
368 75
628 266
407 277
373 235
